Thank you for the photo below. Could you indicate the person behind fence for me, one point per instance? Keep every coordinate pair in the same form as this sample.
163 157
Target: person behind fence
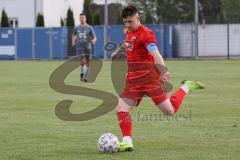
83 38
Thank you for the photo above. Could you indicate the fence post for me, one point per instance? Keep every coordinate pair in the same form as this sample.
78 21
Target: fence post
228 42
193 40
15 44
33 44
162 35
196 41
196 28
105 31
50 31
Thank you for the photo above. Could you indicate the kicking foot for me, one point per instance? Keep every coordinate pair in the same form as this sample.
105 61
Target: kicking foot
193 84
125 147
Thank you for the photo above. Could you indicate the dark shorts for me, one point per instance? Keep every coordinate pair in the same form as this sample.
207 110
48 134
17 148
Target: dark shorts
80 51
87 54
86 57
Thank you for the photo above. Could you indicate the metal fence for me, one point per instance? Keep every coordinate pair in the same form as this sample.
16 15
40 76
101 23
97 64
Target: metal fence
214 40
55 43
41 43
33 43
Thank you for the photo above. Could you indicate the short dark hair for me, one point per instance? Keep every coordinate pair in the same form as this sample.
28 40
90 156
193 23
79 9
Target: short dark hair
82 14
129 11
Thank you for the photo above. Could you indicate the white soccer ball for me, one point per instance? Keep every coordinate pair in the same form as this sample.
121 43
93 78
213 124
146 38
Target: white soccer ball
108 143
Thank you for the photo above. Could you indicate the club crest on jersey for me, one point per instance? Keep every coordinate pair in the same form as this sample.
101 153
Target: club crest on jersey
130 47
133 38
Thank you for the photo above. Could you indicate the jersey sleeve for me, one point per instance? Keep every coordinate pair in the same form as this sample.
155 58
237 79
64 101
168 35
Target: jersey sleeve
148 38
92 33
74 31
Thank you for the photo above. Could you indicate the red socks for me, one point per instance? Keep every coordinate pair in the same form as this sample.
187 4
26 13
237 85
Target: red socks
125 123
124 118
177 98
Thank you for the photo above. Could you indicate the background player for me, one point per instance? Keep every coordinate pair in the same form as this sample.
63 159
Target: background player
83 39
146 75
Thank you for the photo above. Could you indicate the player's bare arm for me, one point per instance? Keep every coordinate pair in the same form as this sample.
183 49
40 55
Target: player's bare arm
158 59
74 38
93 41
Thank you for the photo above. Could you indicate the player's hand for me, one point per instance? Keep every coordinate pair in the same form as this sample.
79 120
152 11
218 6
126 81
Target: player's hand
73 44
124 46
166 76
93 41
74 39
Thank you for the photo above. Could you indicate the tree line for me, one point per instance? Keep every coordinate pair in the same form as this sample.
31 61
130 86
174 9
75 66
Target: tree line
182 11
152 12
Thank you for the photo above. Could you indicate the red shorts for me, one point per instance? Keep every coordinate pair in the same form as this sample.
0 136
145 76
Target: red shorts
143 84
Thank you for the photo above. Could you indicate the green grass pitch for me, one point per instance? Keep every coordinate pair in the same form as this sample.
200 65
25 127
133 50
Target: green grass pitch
207 127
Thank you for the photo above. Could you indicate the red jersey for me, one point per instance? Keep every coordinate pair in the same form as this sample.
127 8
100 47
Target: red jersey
140 61
143 76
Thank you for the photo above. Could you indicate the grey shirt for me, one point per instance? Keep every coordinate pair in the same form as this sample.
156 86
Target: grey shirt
84 33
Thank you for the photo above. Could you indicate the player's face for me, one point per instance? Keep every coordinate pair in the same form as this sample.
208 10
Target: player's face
82 19
132 22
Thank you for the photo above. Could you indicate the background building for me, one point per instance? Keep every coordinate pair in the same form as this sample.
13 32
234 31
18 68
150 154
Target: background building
22 13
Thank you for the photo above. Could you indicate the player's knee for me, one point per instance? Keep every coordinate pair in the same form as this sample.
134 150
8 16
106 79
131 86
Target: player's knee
122 106
169 112
118 108
166 107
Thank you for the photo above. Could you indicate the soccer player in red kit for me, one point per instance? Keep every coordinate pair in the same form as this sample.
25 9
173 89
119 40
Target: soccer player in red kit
145 76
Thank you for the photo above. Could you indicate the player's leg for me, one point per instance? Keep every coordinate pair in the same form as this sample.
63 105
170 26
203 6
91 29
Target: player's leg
82 63
86 65
123 113
170 105
80 56
88 59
